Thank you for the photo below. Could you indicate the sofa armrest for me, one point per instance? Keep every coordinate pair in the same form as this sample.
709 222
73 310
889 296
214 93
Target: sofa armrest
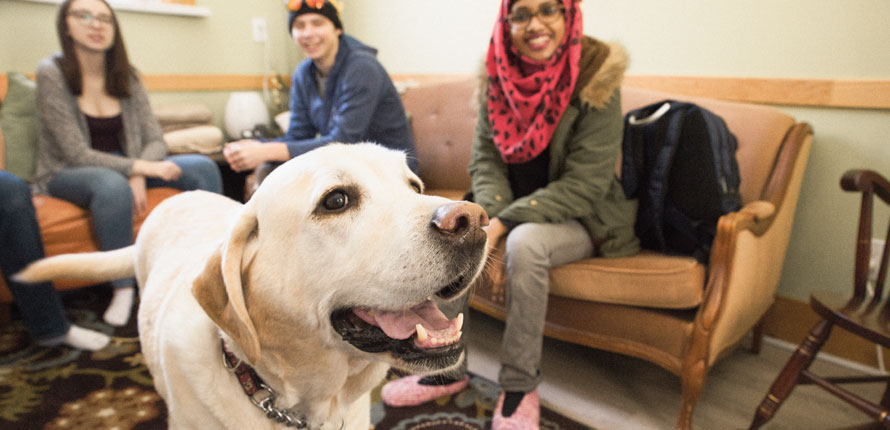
747 259
757 216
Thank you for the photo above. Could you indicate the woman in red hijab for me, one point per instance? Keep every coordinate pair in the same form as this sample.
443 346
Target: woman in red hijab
543 167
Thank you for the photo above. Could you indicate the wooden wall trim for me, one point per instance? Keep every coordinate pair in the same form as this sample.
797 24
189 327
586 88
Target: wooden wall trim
834 93
831 93
203 82
170 82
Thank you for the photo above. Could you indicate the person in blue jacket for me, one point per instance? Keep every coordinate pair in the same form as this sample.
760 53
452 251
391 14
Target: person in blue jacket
339 93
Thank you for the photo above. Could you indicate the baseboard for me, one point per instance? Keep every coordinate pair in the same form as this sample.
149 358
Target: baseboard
824 356
790 320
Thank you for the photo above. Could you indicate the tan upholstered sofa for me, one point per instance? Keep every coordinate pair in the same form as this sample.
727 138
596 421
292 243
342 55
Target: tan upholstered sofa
669 310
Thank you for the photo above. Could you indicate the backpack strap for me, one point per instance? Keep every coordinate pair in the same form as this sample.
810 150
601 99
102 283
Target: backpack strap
634 149
726 167
657 182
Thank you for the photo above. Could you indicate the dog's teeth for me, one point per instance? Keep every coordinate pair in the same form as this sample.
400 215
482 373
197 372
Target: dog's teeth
371 312
421 333
460 321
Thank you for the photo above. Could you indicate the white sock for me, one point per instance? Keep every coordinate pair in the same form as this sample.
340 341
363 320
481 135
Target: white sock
118 312
80 338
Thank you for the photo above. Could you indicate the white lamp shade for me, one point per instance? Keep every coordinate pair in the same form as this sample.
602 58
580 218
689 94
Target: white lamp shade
244 111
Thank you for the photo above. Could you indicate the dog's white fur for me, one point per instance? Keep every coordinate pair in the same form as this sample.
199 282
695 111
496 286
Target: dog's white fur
267 275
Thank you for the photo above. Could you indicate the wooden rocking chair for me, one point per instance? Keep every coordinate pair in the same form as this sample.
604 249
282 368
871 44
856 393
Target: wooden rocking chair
861 315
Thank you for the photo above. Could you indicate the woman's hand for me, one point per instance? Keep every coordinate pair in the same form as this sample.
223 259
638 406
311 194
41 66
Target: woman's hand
166 170
495 269
140 200
495 230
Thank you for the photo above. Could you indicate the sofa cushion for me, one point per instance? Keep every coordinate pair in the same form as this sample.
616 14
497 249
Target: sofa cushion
18 120
282 120
180 115
65 228
203 139
647 279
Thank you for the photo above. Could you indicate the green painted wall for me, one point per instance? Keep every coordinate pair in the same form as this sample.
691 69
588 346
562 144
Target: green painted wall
760 38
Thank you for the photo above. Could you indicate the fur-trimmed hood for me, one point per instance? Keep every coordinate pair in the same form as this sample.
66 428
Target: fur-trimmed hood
602 72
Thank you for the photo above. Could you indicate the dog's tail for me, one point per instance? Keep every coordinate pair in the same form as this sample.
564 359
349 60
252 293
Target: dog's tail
88 266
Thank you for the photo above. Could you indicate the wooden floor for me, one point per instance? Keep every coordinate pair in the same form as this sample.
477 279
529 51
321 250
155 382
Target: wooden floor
609 391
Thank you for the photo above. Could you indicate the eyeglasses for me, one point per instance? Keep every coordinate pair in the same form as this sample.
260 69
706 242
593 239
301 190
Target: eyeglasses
87 18
546 13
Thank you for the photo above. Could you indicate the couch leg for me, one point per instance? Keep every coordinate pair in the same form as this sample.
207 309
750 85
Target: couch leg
692 382
757 337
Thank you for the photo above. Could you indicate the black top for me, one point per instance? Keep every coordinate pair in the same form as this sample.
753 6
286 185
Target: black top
105 133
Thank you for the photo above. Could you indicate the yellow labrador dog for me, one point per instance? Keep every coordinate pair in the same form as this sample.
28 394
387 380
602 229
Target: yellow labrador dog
289 309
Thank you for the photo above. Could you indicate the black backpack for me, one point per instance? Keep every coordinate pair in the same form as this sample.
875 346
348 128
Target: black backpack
679 162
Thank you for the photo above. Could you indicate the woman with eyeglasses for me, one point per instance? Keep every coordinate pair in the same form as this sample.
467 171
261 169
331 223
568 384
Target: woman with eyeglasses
100 146
543 167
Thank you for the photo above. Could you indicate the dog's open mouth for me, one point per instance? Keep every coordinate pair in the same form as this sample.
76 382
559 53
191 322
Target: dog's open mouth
417 335
420 332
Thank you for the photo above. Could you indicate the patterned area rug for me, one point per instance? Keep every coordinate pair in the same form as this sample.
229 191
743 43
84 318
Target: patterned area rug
61 388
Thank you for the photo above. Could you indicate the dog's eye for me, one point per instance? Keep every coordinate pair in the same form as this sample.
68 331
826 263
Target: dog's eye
417 187
336 200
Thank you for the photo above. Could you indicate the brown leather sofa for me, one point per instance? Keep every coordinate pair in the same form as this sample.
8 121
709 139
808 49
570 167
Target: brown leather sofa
65 228
669 310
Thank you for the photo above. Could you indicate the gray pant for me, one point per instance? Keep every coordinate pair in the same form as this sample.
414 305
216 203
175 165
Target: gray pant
531 250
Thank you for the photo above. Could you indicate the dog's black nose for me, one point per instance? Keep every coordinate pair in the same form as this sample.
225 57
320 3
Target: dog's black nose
457 219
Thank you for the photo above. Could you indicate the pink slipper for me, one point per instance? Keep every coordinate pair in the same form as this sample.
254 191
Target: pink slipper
525 417
408 391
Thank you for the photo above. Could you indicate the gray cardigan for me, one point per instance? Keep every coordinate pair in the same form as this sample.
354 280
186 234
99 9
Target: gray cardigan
64 138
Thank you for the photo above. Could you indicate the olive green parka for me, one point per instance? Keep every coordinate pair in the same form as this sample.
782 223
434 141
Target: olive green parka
584 150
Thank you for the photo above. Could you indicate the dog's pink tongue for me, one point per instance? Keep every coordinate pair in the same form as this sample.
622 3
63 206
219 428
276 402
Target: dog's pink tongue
401 324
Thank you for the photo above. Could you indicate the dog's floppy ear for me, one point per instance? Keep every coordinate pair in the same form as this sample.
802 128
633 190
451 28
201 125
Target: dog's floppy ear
220 291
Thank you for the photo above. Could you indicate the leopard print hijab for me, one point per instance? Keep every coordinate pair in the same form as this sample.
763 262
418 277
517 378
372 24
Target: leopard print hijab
526 99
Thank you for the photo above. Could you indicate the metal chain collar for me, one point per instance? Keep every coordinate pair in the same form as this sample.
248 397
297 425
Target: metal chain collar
260 394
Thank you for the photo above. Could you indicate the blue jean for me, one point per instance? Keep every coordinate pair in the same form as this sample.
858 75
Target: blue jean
107 195
20 244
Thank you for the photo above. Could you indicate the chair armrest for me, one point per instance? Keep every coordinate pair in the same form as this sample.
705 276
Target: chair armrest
756 216
797 139
861 180
749 249
743 274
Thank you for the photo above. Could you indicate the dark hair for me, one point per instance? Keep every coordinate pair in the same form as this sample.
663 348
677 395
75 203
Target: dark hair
117 65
